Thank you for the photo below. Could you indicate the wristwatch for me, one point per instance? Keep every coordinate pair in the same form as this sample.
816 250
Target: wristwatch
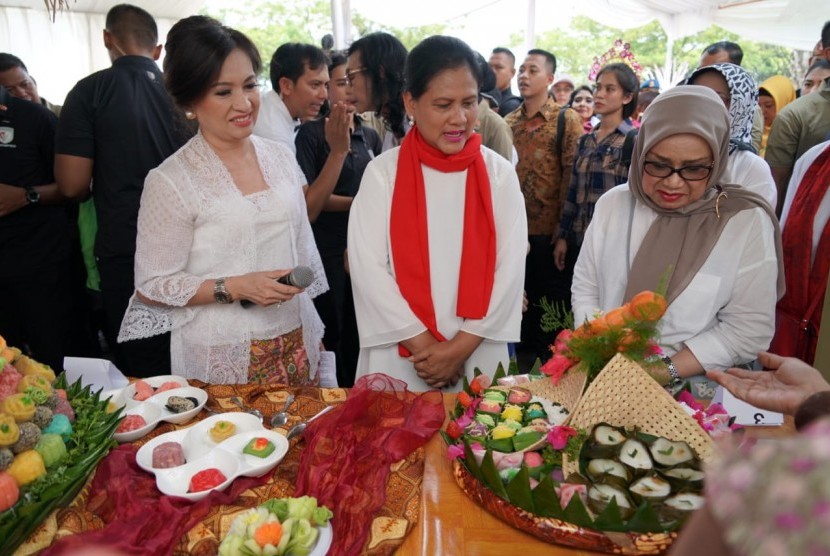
220 293
675 376
32 196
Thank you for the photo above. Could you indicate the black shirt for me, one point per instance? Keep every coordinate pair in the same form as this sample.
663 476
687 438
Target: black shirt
124 120
33 238
509 102
330 228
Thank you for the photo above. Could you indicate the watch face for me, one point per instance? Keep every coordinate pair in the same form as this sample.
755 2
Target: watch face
32 196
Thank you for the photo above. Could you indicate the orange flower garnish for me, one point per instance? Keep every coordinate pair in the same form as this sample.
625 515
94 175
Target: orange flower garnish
268 533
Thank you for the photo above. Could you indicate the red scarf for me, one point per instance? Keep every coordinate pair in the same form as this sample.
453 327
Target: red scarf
410 238
805 281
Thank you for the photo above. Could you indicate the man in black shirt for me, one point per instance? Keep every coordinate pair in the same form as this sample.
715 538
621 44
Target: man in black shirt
503 63
34 244
116 126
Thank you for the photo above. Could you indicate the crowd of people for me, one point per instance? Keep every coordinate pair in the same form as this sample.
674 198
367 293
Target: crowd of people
409 213
435 209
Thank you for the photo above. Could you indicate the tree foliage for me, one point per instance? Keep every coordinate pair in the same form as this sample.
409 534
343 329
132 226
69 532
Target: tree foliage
576 47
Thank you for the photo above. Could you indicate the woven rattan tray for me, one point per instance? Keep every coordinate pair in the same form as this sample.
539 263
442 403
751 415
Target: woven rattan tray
623 394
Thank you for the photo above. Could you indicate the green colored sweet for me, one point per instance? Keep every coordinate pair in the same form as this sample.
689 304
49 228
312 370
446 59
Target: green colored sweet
51 448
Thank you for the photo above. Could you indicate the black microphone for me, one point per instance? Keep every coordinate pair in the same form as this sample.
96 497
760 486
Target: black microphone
300 277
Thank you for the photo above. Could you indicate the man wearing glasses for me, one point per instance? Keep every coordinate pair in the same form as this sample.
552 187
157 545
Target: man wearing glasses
299 77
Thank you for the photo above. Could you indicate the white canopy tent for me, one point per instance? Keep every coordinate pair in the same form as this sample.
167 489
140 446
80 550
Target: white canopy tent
61 52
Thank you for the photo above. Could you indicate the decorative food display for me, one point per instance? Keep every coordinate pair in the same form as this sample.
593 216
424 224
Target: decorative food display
52 436
280 527
165 398
168 454
259 447
222 430
206 479
627 459
176 457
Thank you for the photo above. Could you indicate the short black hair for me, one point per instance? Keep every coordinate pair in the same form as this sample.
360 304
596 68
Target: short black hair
384 57
291 59
128 22
550 59
507 51
196 48
628 81
821 63
10 61
736 54
434 55
825 35
577 90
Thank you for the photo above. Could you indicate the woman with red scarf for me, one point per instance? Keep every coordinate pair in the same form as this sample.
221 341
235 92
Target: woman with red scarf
806 214
437 235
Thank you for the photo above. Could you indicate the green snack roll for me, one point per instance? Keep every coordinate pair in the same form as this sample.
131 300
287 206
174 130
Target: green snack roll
51 448
259 447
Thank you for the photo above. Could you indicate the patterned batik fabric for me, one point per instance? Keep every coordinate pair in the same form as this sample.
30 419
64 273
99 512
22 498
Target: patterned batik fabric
281 361
775 498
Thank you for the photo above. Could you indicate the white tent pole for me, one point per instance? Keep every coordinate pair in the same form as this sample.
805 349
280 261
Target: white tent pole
340 23
669 54
530 28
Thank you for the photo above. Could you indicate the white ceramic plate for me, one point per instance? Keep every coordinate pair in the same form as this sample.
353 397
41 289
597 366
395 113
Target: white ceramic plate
321 547
201 452
151 414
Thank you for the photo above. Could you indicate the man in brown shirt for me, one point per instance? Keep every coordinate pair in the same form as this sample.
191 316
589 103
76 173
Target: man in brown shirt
544 169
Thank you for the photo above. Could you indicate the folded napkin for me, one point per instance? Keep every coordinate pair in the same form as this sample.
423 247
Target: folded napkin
349 450
140 520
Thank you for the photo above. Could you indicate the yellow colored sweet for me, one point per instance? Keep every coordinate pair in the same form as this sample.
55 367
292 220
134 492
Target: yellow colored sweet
9 431
222 430
502 431
19 406
34 381
513 412
28 366
26 467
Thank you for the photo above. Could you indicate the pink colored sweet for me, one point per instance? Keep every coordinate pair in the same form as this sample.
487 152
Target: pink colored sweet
168 454
169 385
533 459
61 393
519 395
489 406
9 491
63 407
9 379
131 423
142 390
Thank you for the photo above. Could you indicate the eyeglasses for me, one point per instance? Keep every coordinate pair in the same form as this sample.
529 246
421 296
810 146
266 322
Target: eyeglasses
351 73
688 173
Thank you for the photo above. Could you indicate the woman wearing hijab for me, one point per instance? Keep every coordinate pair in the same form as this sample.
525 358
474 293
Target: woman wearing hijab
774 94
739 93
717 246
437 235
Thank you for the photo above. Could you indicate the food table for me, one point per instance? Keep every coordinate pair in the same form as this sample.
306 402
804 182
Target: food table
438 519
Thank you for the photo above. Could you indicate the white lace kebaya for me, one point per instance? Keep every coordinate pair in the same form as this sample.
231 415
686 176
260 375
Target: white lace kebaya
195 225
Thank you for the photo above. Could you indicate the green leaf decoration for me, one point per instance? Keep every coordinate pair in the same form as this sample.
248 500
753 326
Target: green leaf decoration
471 463
491 476
645 520
446 438
513 367
535 370
610 519
518 490
466 385
576 513
545 499
499 373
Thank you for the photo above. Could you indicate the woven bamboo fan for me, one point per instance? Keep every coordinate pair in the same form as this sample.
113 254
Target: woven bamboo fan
623 394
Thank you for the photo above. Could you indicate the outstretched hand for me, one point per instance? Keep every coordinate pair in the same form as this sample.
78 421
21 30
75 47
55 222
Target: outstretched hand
782 387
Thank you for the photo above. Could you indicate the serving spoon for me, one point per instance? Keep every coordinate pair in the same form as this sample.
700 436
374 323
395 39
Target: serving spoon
281 418
253 411
299 428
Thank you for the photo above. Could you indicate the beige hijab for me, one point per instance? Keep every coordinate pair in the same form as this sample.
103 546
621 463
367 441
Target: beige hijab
679 241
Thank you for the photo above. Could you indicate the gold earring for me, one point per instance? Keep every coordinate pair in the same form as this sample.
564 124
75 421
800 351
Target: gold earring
190 115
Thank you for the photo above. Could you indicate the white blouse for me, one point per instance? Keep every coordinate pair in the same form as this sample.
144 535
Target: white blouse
727 313
383 315
195 225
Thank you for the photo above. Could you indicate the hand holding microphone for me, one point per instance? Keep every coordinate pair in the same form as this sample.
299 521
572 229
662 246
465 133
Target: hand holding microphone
299 277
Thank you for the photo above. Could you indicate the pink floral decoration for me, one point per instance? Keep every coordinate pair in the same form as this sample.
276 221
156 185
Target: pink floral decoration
558 436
